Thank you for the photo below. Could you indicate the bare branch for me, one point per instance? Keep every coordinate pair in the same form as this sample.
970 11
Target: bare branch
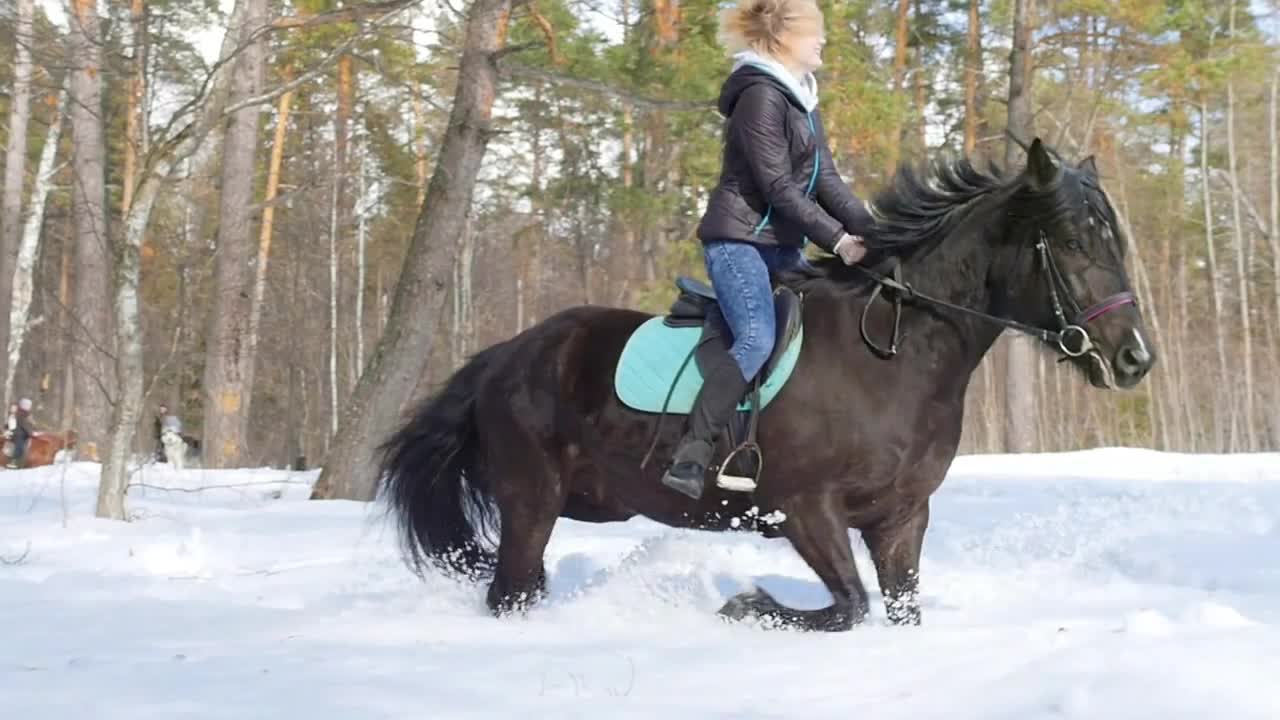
453 9
388 9
347 14
1259 224
164 366
510 71
202 488
506 50
321 66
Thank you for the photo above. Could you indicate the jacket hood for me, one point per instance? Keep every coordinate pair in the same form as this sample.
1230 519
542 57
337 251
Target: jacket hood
751 68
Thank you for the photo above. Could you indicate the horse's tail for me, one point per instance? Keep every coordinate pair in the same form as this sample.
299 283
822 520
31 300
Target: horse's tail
443 505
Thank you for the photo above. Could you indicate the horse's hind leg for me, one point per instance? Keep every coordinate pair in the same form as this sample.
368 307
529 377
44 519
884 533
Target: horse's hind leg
820 534
530 496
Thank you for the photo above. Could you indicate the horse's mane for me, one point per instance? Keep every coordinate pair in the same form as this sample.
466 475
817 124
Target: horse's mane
918 209
913 214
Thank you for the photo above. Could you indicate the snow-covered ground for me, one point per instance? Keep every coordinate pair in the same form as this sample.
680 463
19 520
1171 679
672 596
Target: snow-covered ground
1108 584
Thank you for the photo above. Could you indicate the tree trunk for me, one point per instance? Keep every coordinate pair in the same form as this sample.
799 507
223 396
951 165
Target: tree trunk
1173 257
402 352
141 63
15 166
973 68
129 367
129 364
420 142
29 248
1020 65
189 232
1157 417
228 375
134 117
466 260
901 38
1242 264
1274 143
1275 191
334 390
342 123
66 413
361 237
528 242
625 256
1019 428
1220 417
920 86
295 412
266 232
92 319
339 221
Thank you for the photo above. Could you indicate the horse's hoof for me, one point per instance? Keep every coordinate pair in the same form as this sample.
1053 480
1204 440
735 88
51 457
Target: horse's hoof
742 605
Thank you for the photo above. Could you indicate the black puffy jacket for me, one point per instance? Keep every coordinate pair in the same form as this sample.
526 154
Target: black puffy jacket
771 148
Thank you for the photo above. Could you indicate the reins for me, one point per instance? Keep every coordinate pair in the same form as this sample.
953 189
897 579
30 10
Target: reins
1062 337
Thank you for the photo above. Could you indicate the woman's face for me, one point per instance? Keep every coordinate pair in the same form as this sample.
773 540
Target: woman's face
803 48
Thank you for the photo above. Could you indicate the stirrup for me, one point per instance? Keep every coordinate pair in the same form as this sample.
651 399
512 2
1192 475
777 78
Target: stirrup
740 483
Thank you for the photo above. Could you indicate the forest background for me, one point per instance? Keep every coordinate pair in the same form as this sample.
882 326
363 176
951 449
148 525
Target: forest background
236 209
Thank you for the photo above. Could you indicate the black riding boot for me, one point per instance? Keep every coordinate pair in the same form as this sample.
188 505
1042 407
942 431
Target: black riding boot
721 392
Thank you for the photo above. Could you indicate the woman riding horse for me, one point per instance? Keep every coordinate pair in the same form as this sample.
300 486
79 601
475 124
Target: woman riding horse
533 429
778 186
21 433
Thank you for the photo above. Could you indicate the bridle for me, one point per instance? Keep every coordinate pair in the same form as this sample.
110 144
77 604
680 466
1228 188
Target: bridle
1080 318
1071 337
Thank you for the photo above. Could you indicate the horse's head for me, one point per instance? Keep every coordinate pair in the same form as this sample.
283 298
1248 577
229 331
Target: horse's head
1073 276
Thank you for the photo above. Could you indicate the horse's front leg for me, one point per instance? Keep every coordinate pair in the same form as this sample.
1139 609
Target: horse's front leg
818 529
895 549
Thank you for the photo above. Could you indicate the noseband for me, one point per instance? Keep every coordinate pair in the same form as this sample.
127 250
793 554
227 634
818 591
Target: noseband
1071 337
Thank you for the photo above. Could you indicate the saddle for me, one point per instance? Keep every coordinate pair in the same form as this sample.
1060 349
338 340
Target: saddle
696 312
697 306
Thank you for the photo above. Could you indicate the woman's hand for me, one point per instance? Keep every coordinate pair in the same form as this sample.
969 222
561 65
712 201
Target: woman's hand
850 248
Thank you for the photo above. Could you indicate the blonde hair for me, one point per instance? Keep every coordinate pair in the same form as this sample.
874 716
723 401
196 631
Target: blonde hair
761 25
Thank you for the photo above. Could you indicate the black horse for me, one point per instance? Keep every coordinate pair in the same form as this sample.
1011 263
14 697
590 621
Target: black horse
531 429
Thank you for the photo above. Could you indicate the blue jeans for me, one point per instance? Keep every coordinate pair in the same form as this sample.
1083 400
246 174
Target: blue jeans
20 442
740 273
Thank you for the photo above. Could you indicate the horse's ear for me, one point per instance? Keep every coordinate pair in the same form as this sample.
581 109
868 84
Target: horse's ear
1041 166
1089 166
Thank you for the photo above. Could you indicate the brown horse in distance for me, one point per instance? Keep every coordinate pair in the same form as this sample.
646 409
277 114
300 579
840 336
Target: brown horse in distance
42 449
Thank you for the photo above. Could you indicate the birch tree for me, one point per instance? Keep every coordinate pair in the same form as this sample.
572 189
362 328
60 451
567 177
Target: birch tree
15 163
1242 271
29 247
189 142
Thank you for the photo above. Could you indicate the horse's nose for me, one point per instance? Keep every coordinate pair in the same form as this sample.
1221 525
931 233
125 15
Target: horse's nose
1133 361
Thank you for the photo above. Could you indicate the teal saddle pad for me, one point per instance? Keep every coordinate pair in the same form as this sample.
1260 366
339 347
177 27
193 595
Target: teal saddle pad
652 360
